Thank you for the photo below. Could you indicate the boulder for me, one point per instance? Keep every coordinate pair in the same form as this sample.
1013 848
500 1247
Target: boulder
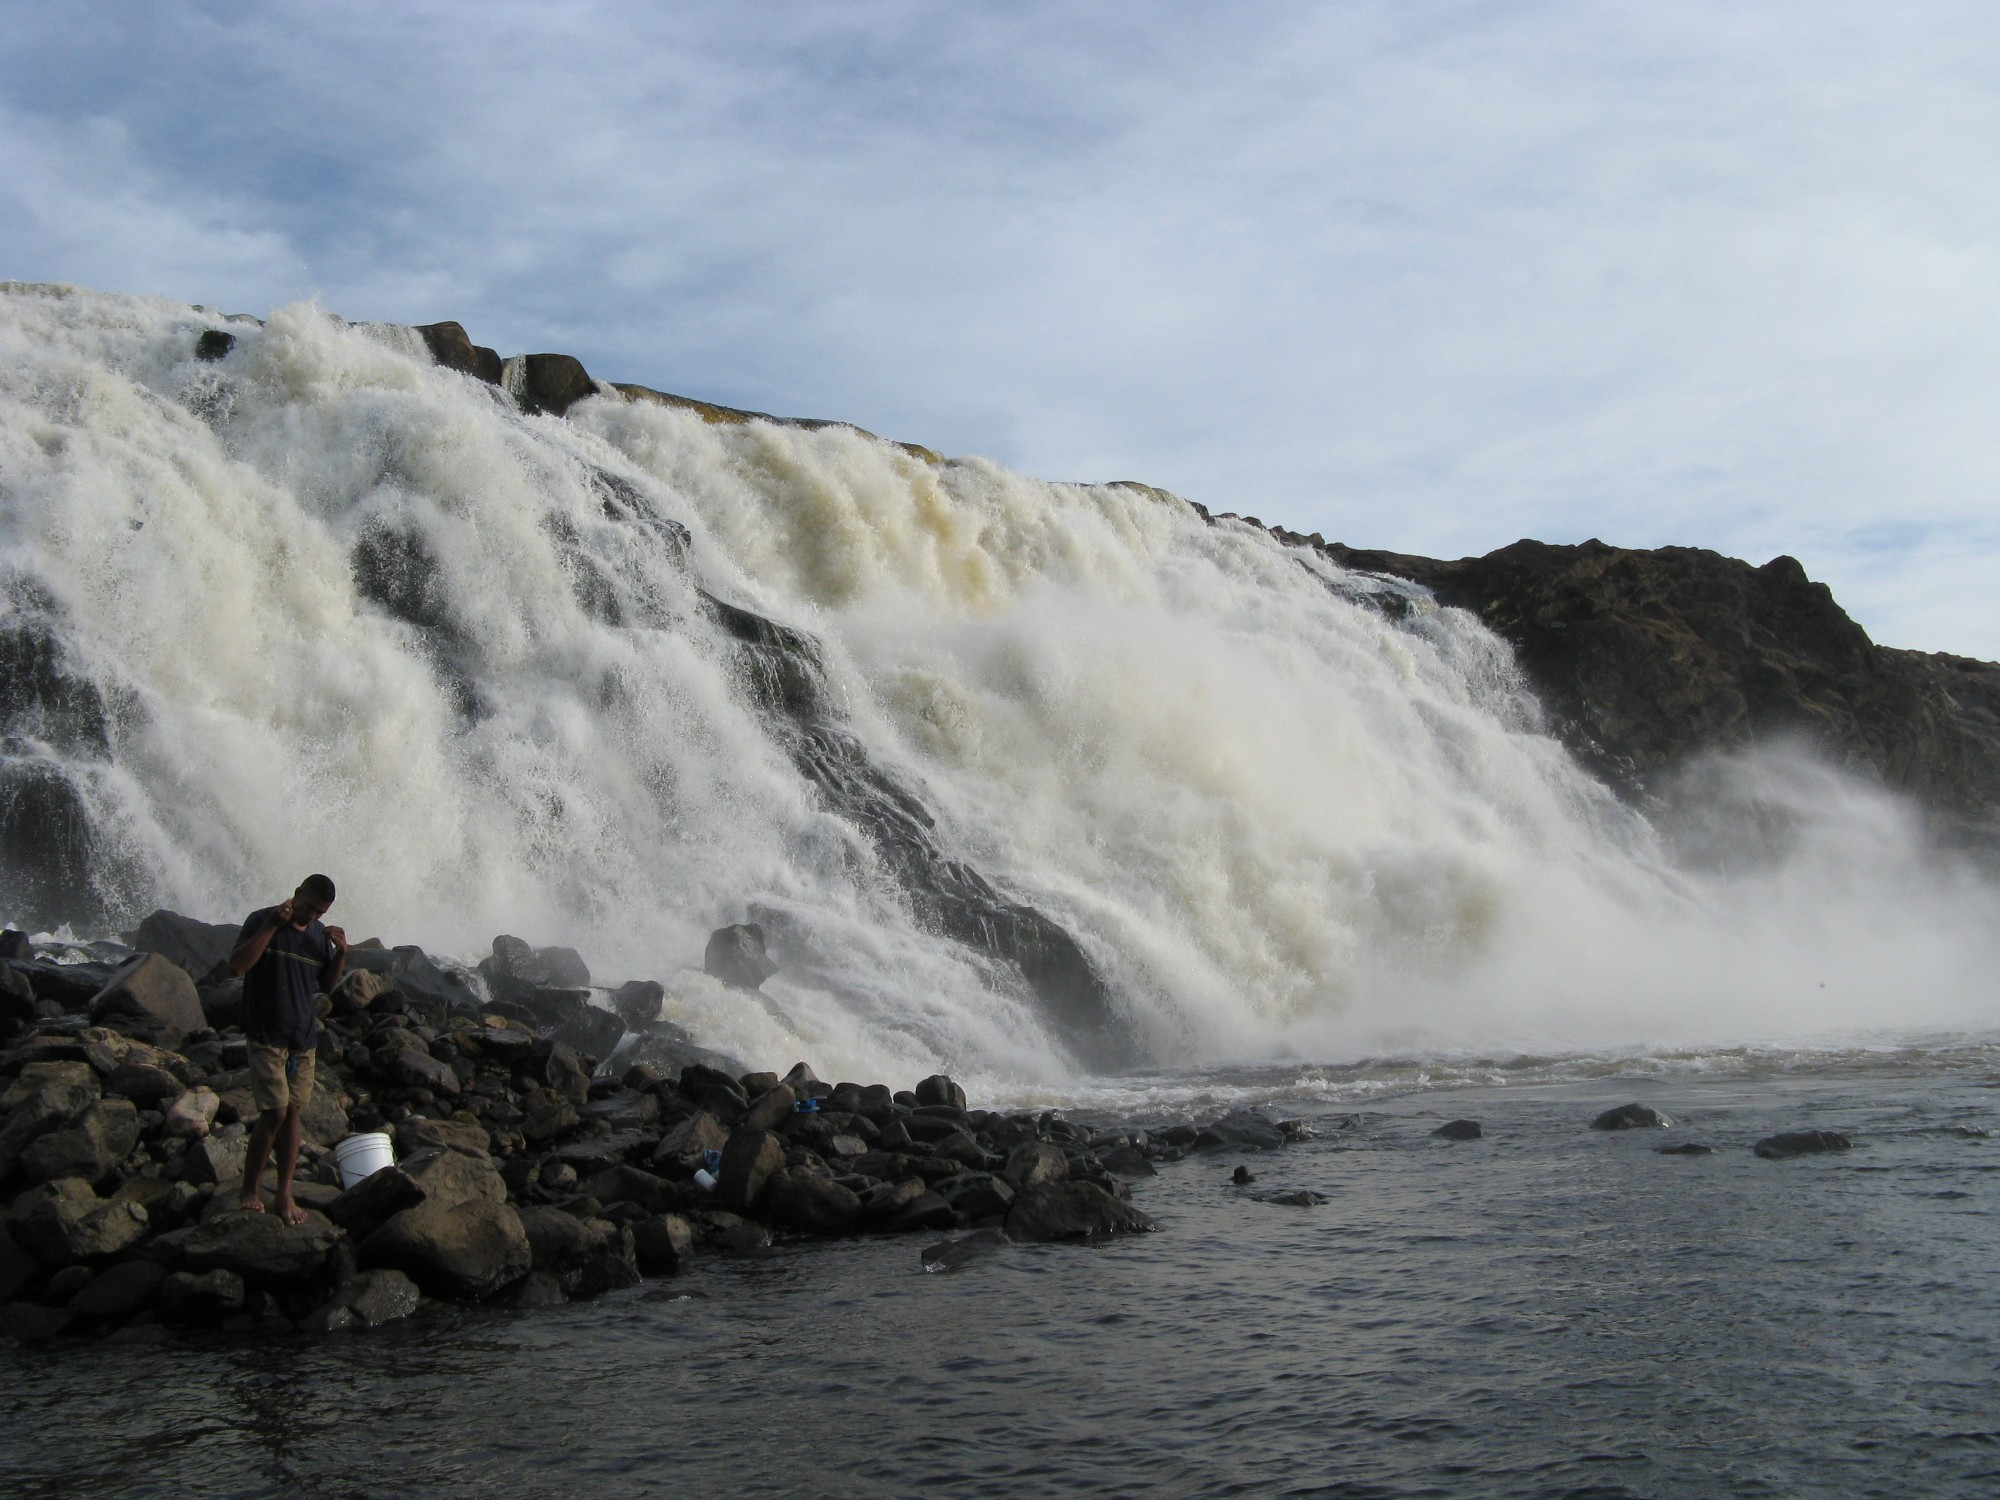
73 1073
556 1239
1071 1211
1458 1130
682 1148
204 1297
967 1249
556 1066
940 1090
63 1222
662 1243
453 348
736 956
977 1195
1126 1160
89 1147
31 1323
624 1110
120 1291
594 1153
259 1247
377 1297
553 383
1790 1143
885 1200
374 1200
748 1161
44 1104
17 1001
324 1119
1631 1117
146 1084
447 1178
154 991
216 1158
191 1115
804 1200
637 1002
1241 1130
770 1109
468 1251
546 1122
571 1017
1686 1148
222 1002
517 969
926 1211
192 946
19 1270
628 1184
418 1069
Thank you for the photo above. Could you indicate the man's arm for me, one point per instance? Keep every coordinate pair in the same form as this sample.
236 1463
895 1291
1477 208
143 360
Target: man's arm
337 965
247 952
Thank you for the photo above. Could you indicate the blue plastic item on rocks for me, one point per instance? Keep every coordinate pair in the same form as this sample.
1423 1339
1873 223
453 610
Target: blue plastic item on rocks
711 1160
806 1107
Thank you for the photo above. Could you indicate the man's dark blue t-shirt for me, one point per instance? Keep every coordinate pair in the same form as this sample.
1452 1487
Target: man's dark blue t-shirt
281 991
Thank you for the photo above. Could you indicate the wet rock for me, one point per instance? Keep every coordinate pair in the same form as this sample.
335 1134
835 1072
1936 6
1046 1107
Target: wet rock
44 1102
553 383
66 1283
194 947
146 1085
453 348
216 1158
885 1200
190 1115
802 1079
17 1002
1631 1117
537 1289
447 1178
748 1161
1127 1161
1686 1148
628 1184
662 1243
940 1090
637 1002
201 1297
548 1122
1072 1211
1293 1198
624 1110
570 1017
120 1291
151 990
771 1108
64 1221
977 1195
742 1238
681 1149
374 1200
1243 1177
1239 1131
804 1200
926 1211
557 1239
469 1250
31 1323
100 1138
595 1153
1790 1143
1458 1130
259 1247
213 344
967 1249
418 1069
516 969
736 956
556 1066
378 1297
417 1135
19 1270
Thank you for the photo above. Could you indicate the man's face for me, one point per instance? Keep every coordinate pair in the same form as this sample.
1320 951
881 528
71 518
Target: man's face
306 908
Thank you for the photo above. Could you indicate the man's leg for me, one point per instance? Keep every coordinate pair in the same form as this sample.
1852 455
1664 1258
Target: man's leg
261 1136
288 1164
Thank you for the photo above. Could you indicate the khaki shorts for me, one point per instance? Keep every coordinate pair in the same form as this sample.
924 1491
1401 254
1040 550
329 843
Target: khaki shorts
270 1086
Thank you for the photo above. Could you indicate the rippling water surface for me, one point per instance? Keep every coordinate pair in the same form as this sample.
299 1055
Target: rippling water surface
1548 1311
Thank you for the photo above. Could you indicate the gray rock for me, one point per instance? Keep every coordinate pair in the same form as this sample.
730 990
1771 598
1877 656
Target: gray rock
624 1110
977 1195
537 1289
31 1323
201 1297
260 1247
1034 1162
1127 1161
1790 1143
637 1002
885 1200
100 1138
374 1200
418 1134
1072 1211
419 1069
145 1084
468 1251
1686 1148
556 1066
152 990
557 1239
1631 1117
771 1108
191 1115
216 1159
1458 1130
1242 1130
662 1243
449 1178
1293 1198
44 1104
967 1249
747 1164
682 1148
737 957
517 969
938 1089
804 1200
378 1297
926 1211
628 1184
63 1222
547 1122
190 945
18 1269
120 1291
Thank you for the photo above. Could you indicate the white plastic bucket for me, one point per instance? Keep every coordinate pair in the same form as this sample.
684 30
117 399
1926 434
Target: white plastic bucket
361 1155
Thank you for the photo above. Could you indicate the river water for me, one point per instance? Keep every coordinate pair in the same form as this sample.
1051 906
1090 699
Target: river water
1549 1311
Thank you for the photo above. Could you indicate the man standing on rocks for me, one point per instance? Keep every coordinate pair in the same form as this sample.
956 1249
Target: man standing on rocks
287 958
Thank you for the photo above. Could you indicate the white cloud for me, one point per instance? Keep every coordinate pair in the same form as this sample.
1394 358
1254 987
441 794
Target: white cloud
1430 276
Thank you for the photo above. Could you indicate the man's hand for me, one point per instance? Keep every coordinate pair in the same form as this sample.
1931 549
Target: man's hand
281 914
338 937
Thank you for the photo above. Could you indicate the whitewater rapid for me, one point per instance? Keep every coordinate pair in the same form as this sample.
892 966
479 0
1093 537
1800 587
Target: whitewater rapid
349 611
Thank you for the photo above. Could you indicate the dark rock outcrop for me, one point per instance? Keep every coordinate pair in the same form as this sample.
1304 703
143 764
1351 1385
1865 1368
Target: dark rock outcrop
736 956
1631 1117
1790 1143
1458 1130
1644 659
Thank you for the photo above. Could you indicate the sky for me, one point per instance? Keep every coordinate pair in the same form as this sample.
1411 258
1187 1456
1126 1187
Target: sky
1427 275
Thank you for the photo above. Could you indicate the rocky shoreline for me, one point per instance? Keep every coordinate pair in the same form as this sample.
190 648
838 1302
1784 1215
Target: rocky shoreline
547 1147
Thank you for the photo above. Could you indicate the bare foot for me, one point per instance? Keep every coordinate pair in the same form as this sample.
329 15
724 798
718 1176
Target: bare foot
250 1203
290 1212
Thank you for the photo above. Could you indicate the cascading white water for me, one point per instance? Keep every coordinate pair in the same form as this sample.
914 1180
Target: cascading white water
1280 822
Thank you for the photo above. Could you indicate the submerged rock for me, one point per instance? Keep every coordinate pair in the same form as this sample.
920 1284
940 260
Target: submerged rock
1789 1143
736 956
952 1255
1458 1130
1072 1211
1686 1148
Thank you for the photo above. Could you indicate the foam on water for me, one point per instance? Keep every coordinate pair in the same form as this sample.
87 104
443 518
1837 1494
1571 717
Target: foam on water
354 612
